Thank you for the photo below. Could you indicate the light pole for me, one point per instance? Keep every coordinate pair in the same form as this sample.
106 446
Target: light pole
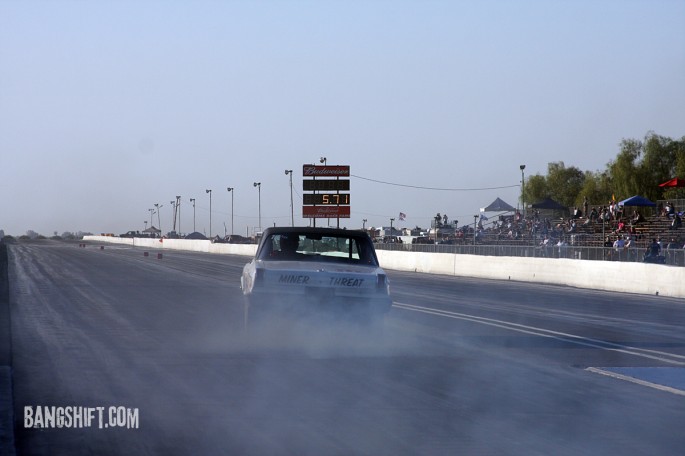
523 198
328 221
364 224
259 190
178 206
391 220
173 218
292 211
210 212
230 189
152 211
159 221
192 200
475 218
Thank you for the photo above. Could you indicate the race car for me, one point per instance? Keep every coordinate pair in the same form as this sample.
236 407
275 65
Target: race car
300 271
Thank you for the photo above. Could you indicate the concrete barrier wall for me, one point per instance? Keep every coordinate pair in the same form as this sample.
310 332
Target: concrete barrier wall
599 275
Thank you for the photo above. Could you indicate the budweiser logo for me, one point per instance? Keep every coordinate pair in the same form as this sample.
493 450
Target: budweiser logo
326 211
330 171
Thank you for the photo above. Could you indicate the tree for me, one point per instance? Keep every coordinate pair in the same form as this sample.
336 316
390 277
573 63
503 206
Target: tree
564 183
624 171
536 189
597 188
641 166
658 164
561 184
675 151
638 169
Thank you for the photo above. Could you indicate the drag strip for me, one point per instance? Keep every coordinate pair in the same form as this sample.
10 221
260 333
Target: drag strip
669 358
155 349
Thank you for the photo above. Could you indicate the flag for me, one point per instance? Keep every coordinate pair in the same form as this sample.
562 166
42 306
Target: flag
403 216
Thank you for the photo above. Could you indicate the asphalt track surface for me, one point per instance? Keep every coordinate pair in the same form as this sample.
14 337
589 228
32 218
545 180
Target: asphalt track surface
461 366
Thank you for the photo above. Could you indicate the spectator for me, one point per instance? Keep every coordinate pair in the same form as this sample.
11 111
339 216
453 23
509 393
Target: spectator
619 245
577 213
562 247
612 209
630 247
672 245
676 223
608 244
669 209
653 250
637 218
594 215
618 211
585 206
546 246
572 226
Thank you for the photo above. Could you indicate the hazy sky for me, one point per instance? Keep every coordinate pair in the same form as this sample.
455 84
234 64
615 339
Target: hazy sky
108 107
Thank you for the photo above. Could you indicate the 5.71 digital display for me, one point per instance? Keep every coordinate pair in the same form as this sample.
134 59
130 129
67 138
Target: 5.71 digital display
326 198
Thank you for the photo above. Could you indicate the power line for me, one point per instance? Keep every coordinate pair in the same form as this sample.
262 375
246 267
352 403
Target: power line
435 188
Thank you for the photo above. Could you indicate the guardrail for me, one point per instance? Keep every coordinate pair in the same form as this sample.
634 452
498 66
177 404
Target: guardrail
673 257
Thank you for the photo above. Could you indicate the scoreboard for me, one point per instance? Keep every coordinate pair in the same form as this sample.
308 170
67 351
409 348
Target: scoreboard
329 186
326 185
325 199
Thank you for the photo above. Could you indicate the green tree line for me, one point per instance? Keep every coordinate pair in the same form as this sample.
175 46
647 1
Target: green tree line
638 169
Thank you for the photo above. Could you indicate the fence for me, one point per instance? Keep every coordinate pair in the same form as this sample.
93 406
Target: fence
674 257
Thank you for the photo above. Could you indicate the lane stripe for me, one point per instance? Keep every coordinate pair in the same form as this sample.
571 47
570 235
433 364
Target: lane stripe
627 378
665 357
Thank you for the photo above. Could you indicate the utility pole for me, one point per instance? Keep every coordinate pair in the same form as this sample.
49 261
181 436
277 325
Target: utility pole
210 212
523 197
159 220
292 211
259 190
230 189
192 200
178 206
173 218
